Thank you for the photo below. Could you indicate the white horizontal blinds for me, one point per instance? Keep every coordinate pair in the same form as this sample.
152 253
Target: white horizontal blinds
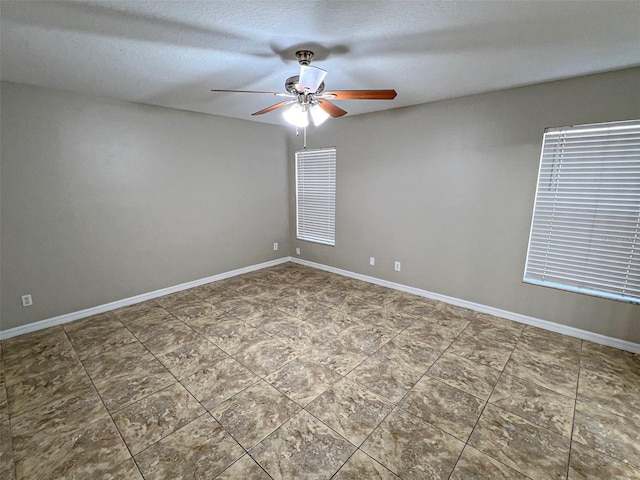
316 195
585 233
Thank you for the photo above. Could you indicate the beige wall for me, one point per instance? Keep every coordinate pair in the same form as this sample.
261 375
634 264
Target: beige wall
102 200
447 188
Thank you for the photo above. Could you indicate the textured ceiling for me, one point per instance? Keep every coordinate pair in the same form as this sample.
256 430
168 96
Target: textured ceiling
172 53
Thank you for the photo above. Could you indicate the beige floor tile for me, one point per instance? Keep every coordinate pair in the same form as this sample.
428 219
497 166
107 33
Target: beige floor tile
244 469
615 392
412 448
537 404
156 416
547 370
482 350
86 453
534 451
58 417
96 335
35 392
335 354
384 377
465 375
361 466
188 358
137 381
350 410
291 331
445 407
336 321
257 312
216 383
303 448
266 356
169 336
138 311
496 329
302 380
410 352
34 343
152 318
432 335
127 470
609 360
368 338
30 366
228 332
254 413
607 433
189 307
551 342
6 447
199 450
451 316
588 464
475 465
389 318
412 306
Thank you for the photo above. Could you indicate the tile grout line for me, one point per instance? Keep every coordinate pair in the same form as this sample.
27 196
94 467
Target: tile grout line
102 400
484 408
575 407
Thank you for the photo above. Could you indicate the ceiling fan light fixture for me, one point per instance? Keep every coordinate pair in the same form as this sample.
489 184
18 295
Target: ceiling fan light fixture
296 115
318 115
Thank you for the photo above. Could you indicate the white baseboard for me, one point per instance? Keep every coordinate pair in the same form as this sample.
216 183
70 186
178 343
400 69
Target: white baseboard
516 317
70 317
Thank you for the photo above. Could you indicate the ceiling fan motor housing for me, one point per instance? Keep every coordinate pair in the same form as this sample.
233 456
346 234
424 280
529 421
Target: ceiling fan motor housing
291 85
304 56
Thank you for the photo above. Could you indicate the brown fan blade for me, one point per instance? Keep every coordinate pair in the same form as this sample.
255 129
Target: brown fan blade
333 110
277 94
360 94
274 107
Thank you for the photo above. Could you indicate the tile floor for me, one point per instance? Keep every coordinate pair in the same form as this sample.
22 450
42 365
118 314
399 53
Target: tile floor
295 373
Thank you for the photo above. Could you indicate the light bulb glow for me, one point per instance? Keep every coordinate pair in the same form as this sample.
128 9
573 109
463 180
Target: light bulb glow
318 115
296 116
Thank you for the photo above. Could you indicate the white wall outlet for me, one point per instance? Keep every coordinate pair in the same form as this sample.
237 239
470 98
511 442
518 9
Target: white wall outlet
27 301
372 260
396 266
275 245
297 251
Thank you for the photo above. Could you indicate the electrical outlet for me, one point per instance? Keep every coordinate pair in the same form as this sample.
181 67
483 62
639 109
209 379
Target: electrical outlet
297 251
275 246
396 266
27 301
372 261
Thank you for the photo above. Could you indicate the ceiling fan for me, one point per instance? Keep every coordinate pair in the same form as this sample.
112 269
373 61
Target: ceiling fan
308 98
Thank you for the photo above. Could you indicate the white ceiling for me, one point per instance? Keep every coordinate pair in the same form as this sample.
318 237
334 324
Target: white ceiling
171 53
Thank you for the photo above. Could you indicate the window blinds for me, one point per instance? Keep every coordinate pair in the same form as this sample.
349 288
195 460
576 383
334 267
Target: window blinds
585 232
316 195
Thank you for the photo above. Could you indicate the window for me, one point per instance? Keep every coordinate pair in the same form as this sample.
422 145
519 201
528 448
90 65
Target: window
585 232
316 195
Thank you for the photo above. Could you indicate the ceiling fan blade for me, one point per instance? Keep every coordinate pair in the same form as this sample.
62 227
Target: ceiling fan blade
333 110
360 94
311 78
274 107
277 94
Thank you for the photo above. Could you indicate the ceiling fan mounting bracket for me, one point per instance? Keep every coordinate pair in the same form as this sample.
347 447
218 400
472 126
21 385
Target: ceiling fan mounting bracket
304 56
